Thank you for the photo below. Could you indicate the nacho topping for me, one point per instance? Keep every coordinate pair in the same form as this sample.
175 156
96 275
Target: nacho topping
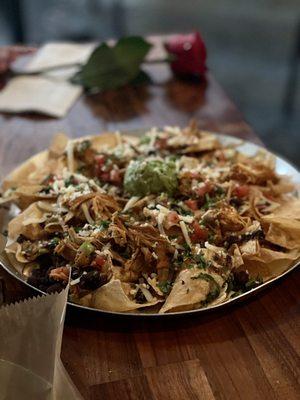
172 221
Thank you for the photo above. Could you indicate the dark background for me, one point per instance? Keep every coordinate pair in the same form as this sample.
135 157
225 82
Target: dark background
253 46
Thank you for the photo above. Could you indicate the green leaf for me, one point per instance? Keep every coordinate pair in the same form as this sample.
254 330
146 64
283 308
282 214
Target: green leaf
131 51
110 67
142 78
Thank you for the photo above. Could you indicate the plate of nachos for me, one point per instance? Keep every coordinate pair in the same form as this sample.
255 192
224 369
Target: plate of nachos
151 222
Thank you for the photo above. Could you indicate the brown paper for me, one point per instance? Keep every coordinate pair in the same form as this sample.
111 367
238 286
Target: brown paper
30 364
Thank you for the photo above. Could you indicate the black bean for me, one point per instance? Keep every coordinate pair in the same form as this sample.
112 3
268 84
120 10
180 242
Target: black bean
140 298
236 202
92 280
75 273
241 278
45 261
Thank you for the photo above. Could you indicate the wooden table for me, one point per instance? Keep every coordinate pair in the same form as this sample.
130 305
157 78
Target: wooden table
246 351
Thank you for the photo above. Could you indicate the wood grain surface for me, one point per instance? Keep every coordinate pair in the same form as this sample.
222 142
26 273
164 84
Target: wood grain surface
244 351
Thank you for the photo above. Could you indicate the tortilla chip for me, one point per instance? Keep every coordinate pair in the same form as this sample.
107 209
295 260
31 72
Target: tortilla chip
250 248
27 223
16 249
285 185
112 297
282 227
269 263
84 301
34 170
290 209
58 145
22 174
12 256
187 293
236 256
283 231
29 194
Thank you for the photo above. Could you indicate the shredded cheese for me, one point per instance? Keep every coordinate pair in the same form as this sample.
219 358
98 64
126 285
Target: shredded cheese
186 218
118 137
130 203
160 219
185 233
87 214
163 209
70 155
146 293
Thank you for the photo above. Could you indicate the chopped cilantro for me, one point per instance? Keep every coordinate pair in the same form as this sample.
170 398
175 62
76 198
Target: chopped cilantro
206 277
201 262
46 189
239 282
253 282
70 181
236 294
145 140
83 146
104 224
211 201
211 238
54 242
81 169
187 251
219 191
165 286
190 266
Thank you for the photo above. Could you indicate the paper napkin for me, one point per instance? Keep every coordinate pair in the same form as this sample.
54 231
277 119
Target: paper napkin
51 94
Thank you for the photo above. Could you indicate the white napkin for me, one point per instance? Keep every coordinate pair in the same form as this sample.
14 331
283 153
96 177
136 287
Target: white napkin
51 93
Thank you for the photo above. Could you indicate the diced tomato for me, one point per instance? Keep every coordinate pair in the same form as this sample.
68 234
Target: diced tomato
161 143
173 217
104 176
115 176
192 204
241 191
100 160
99 163
200 233
49 180
202 190
99 261
195 175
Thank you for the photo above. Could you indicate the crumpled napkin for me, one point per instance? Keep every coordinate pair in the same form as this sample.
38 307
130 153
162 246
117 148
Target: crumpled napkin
30 345
50 93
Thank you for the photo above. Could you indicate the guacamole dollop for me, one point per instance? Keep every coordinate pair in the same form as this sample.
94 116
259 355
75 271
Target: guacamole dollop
143 177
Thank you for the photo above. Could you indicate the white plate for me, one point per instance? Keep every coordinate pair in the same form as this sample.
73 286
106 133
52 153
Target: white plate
282 168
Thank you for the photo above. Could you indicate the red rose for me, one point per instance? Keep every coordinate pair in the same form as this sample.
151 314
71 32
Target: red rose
190 54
